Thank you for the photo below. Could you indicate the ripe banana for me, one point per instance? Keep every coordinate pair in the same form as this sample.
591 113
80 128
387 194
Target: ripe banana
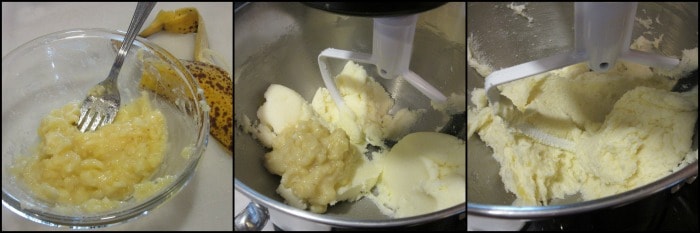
214 80
218 90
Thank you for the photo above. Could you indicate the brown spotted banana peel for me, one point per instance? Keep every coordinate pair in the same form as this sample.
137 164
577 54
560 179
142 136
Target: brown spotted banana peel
214 80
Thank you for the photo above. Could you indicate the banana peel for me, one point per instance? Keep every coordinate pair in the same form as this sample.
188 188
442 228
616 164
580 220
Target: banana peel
218 90
183 20
214 80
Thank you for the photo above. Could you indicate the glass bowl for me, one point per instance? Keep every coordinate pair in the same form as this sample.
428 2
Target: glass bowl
53 70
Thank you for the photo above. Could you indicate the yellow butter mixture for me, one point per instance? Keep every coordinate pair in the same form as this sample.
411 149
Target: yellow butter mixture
319 153
424 172
627 127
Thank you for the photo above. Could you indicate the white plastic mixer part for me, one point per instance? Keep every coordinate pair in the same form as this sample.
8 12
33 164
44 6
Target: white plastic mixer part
392 44
391 52
603 33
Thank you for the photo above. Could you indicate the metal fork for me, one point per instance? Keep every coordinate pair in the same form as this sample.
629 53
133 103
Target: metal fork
102 103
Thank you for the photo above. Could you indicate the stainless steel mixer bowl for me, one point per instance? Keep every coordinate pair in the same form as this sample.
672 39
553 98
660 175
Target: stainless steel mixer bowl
505 39
279 43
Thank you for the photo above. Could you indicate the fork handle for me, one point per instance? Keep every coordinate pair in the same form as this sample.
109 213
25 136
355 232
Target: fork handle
143 9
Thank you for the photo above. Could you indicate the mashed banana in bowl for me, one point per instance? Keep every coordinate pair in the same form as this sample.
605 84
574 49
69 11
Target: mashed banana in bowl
96 171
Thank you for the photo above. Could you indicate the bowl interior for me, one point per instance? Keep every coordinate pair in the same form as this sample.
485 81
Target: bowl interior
58 68
505 39
286 51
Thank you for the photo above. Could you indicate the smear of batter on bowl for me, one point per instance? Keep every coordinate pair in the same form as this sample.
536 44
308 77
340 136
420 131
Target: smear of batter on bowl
520 10
475 58
628 127
646 22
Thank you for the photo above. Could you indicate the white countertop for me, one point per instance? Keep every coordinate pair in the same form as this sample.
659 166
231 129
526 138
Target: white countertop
205 203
